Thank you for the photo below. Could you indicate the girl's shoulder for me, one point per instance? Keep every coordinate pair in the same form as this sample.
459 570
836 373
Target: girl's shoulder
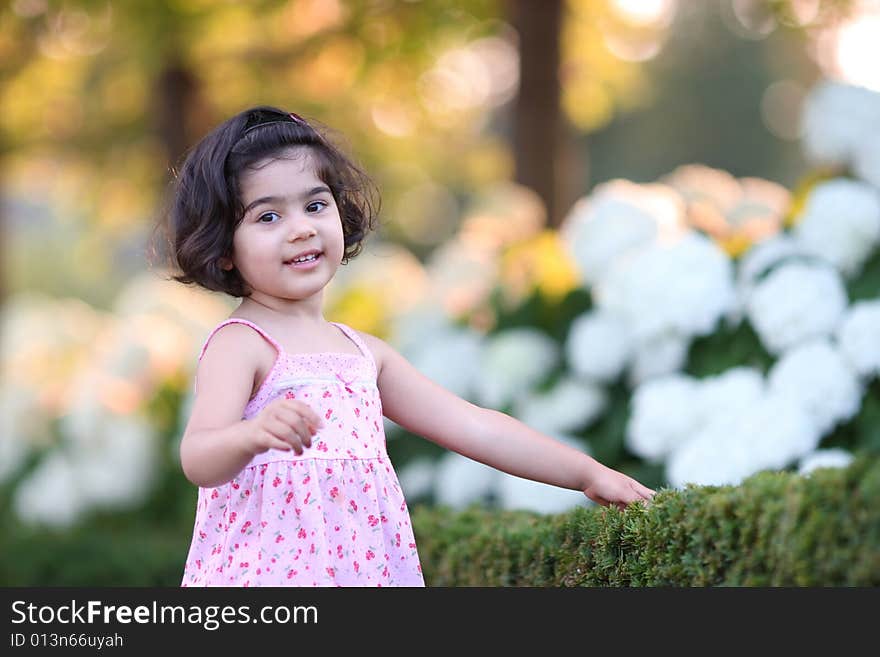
237 347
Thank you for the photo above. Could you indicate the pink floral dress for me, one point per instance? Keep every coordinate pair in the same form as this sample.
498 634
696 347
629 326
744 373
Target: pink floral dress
333 516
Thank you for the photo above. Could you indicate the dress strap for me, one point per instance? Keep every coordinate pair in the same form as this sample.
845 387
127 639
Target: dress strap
238 320
352 335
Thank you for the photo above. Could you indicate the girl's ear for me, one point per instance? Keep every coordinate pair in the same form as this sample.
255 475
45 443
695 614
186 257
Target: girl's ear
225 264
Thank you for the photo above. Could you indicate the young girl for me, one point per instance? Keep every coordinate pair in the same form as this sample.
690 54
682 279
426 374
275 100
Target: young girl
285 439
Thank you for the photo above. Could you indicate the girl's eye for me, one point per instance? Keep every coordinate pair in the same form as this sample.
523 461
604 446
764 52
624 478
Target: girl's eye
316 206
267 218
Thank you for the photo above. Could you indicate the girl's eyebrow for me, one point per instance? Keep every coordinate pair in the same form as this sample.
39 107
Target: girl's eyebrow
275 199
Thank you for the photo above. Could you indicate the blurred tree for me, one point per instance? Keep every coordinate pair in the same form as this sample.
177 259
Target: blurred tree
99 100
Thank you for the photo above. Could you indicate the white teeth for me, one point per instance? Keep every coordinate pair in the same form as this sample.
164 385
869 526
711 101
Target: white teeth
307 258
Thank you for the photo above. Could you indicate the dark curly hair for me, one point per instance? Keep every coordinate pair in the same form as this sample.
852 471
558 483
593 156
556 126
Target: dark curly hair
205 206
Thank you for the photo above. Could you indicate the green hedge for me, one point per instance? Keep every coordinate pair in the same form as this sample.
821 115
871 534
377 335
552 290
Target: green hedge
776 529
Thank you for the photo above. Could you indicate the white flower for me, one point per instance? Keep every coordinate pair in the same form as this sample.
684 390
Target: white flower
460 481
417 326
617 217
663 416
598 346
570 405
836 118
771 433
120 471
50 495
796 302
514 361
815 375
841 223
417 478
524 494
685 288
733 391
866 159
824 458
660 355
858 337
756 262
448 358
15 408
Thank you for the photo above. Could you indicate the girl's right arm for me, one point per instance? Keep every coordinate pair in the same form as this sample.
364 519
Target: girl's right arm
217 443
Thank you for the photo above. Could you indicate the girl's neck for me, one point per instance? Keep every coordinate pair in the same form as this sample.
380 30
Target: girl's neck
308 310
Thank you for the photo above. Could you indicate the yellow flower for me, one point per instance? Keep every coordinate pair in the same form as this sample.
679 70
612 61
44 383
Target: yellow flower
540 263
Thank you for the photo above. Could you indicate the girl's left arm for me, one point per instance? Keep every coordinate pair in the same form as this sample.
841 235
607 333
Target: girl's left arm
421 406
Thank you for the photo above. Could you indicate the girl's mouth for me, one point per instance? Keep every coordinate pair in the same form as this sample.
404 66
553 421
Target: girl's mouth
306 260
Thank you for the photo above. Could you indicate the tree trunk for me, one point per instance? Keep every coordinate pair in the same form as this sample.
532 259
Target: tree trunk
537 124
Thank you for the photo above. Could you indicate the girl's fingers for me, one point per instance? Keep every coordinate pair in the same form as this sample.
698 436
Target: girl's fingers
305 411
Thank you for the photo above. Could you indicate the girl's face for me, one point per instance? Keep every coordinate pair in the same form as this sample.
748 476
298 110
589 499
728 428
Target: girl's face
290 242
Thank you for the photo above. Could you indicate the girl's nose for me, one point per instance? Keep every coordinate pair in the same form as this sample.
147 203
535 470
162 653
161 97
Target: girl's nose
301 230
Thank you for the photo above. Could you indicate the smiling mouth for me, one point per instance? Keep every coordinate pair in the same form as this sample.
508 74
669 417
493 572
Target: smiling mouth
304 258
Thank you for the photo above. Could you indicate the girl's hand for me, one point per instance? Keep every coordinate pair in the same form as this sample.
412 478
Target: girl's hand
612 487
284 424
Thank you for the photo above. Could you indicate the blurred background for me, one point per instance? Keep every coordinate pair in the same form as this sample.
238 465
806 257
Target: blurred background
649 228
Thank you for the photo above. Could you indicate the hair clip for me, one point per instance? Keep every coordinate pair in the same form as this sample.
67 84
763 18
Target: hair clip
259 118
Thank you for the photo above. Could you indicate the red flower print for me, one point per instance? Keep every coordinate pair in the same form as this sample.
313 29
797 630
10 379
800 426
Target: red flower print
199 564
357 567
326 394
334 492
329 471
306 480
353 504
328 413
290 574
259 570
331 572
215 494
370 555
308 495
243 564
397 540
354 433
357 412
290 395
202 534
385 572
301 533
279 538
384 519
288 498
235 485
245 526
232 517
373 520
366 487
276 482
339 551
